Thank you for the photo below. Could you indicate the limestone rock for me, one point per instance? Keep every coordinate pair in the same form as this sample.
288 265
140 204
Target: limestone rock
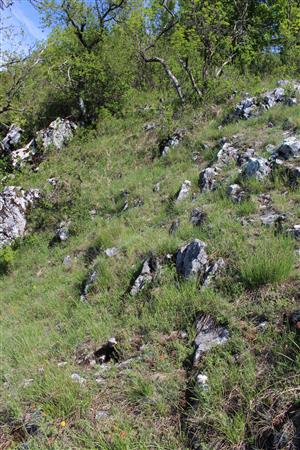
202 382
236 193
197 217
78 379
257 167
272 219
88 284
294 320
62 233
184 191
246 108
171 141
25 154
207 179
227 154
213 269
294 231
58 133
14 203
252 106
113 251
146 275
192 259
290 148
208 334
12 139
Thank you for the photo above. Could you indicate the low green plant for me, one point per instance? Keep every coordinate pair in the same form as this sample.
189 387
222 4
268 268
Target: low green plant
270 261
7 256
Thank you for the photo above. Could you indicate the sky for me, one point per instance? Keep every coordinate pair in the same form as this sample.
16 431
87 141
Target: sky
23 16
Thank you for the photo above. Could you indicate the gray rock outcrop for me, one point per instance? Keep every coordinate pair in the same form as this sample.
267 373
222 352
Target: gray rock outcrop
290 148
207 179
184 191
192 259
197 217
256 167
146 275
171 141
88 284
208 335
14 203
58 133
25 154
236 193
12 139
227 154
252 106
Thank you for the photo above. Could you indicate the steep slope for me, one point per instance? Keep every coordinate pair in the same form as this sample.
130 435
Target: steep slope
113 339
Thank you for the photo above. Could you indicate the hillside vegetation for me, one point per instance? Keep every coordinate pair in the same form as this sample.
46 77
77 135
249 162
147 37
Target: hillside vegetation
149 266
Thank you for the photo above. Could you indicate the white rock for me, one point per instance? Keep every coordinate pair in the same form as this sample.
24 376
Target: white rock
184 191
202 382
78 379
58 133
14 203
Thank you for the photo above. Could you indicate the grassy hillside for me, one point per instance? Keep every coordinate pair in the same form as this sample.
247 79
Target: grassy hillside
149 398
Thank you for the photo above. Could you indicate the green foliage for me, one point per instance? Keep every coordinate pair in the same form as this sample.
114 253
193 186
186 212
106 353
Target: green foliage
7 256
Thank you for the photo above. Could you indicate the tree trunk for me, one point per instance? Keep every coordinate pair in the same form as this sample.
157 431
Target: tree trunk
186 67
169 73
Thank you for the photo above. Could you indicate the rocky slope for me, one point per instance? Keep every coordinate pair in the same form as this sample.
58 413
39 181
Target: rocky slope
152 297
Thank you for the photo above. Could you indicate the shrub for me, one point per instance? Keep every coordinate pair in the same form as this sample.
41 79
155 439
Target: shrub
6 259
271 262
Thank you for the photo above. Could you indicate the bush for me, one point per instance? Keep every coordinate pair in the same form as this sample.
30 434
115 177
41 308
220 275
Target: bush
271 262
7 256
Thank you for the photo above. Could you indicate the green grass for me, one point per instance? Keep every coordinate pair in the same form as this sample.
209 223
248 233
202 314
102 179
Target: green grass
270 260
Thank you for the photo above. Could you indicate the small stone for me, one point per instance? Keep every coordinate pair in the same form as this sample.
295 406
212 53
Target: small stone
100 380
147 274
53 181
107 352
62 233
197 217
213 269
236 193
28 382
78 379
295 231
156 187
208 335
227 154
67 261
202 382
14 204
271 219
171 141
113 251
184 191
87 285
25 154
101 415
294 320
207 179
